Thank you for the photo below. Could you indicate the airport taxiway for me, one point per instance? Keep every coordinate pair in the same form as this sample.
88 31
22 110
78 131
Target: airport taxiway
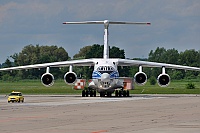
76 114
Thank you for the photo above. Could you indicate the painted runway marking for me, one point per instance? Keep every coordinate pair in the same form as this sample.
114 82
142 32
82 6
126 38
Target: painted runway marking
100 131
82 100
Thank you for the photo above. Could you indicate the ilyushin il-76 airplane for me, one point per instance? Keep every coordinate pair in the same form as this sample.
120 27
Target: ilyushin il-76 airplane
105 76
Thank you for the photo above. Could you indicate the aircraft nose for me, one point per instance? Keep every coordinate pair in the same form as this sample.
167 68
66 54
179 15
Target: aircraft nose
105 77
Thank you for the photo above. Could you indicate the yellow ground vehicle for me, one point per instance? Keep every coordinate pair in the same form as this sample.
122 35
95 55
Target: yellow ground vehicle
15 97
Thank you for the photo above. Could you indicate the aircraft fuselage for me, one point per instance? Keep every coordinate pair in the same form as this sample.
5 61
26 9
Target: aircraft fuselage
105 76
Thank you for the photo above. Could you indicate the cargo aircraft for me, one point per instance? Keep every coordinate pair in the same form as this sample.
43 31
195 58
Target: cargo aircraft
105 76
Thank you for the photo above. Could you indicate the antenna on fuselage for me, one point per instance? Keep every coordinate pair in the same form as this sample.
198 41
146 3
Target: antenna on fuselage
106 25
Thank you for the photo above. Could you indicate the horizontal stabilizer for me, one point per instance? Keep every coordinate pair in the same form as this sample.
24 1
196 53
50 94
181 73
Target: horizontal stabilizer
116 22
107 22
85 22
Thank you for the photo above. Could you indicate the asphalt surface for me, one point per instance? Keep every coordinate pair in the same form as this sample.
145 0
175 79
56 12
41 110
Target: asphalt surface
75 114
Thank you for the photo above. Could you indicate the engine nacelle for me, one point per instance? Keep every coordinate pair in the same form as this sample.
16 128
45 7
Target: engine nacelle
47 79
70 78
140 78
163 80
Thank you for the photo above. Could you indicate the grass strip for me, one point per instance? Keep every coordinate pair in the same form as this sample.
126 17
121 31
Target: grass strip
36 88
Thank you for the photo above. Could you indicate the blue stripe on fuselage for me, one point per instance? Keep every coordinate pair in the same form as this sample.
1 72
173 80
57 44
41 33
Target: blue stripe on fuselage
114 75
97 75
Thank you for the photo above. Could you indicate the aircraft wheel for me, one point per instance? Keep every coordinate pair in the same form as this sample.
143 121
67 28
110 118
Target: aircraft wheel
86 93
120 93
102 94
91 93
83 93
128 93
116 93
109 94
94 93
124 93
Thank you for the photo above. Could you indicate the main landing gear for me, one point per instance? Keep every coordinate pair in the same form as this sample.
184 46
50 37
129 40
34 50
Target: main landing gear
86 93
122 93
118 93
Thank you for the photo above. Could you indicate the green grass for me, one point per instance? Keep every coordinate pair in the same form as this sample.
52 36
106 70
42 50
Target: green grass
175 87
59 87
35 87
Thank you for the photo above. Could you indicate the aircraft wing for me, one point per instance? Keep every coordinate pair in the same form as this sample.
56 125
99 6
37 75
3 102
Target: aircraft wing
83 62
127 62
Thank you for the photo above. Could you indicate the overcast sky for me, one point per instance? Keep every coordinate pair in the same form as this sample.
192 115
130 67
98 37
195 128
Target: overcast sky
175 24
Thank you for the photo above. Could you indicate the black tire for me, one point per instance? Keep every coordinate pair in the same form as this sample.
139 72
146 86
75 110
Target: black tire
116 93
128 93
83 93
109 94
120 93
95 93
124 93
86 93
91 93
102 94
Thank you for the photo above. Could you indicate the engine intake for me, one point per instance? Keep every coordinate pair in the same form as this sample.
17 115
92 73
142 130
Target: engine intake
70 78
163 80
140 78
47 79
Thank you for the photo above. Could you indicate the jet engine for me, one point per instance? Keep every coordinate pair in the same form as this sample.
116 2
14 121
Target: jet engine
163 80
47 79
70 78
140 78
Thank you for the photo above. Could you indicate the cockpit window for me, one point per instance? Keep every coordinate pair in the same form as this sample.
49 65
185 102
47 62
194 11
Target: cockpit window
105 69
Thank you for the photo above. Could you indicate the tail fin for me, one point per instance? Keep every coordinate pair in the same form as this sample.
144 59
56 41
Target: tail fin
106 25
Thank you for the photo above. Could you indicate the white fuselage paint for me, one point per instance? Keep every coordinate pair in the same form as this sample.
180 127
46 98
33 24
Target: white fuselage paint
105 76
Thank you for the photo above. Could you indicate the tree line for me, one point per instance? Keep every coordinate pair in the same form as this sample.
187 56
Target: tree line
36 54
172 56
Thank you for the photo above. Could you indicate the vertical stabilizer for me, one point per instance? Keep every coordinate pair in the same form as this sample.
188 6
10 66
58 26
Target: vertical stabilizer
106 25
106 46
